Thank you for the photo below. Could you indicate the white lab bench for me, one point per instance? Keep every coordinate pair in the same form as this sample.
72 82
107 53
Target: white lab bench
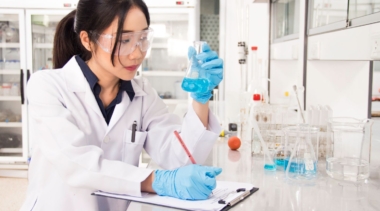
276 193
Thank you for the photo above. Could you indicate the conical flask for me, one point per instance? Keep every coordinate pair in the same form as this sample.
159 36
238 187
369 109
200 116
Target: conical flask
195 79
302 164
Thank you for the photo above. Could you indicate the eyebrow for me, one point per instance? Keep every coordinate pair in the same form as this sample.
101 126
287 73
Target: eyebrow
126 31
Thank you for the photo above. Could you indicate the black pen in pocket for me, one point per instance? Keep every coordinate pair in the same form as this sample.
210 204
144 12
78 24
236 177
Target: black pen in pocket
133 131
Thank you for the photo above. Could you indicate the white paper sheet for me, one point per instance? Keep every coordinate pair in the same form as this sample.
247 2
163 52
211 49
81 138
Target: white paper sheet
224 190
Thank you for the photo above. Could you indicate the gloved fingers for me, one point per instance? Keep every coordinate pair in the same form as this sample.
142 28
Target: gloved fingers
215 79
215 71
218 171
200 191
201 97
209 176
207 56
191 52
211 171
216 63
184 194
210 182
215 171
206 47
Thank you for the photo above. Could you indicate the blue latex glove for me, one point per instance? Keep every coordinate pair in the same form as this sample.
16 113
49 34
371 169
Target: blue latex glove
212 69
192 182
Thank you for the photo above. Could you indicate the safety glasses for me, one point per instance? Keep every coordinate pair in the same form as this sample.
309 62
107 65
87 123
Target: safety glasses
127 42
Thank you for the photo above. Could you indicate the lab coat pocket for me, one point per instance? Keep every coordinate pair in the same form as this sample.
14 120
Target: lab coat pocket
132 150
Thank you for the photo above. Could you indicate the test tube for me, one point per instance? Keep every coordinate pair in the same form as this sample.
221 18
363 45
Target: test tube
269 163
216 102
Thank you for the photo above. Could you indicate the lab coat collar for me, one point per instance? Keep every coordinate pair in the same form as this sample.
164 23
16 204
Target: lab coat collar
136 84
121 107
93 79
74 78
76 82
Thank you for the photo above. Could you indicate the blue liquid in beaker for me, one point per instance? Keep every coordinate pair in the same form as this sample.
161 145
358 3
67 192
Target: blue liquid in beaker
280 162
300 168
270 167
196 85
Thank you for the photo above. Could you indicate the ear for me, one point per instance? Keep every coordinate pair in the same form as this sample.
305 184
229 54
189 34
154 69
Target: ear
85 40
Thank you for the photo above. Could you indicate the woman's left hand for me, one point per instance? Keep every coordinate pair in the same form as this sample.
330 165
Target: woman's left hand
213 70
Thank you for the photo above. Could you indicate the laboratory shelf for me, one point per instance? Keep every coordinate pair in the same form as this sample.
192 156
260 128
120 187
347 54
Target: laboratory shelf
10 98
10 124
10 45
175 101
37 29
10 150
11 18
43 45
163 73
9 72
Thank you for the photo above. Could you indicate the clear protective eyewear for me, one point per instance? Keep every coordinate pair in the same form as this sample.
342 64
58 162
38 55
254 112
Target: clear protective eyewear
127 42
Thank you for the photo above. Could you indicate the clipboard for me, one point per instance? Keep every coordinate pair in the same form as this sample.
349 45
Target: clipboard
236 201
226 196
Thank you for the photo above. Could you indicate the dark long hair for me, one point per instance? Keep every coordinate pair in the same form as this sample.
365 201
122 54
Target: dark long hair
90 16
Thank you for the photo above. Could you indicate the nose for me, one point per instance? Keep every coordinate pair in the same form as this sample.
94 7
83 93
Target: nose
136 53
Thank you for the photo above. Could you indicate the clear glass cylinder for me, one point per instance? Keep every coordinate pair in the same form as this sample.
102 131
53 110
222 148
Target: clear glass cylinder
348 148
195 79
302 142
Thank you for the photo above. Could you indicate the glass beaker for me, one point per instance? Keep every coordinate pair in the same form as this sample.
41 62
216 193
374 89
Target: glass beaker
348 148
195 79
302 140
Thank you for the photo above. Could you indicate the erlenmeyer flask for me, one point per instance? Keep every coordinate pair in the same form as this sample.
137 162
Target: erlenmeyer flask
195 79
302 164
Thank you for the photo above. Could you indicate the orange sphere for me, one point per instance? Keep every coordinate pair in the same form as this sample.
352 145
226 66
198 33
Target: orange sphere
234 143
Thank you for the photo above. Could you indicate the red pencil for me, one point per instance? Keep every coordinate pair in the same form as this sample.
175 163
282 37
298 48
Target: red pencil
184 147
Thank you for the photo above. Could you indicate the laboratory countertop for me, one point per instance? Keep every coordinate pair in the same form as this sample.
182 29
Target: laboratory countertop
277 193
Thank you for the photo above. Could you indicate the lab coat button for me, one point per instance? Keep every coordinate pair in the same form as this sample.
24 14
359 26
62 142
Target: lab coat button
106 139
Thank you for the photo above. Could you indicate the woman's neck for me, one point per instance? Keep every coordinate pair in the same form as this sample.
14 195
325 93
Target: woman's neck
107 81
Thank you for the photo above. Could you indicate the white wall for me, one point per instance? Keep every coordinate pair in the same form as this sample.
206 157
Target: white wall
376 85
340 60
286 69
349 44
283 77
343 85
376 78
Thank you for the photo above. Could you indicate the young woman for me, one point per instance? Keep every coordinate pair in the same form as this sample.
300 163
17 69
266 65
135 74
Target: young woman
84 113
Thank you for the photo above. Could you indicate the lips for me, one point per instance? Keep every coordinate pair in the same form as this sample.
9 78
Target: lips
132 68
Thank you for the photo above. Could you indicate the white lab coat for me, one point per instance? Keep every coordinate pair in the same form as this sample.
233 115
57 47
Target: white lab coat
76 153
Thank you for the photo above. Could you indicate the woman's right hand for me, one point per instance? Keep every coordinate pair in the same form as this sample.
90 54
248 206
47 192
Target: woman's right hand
192 182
